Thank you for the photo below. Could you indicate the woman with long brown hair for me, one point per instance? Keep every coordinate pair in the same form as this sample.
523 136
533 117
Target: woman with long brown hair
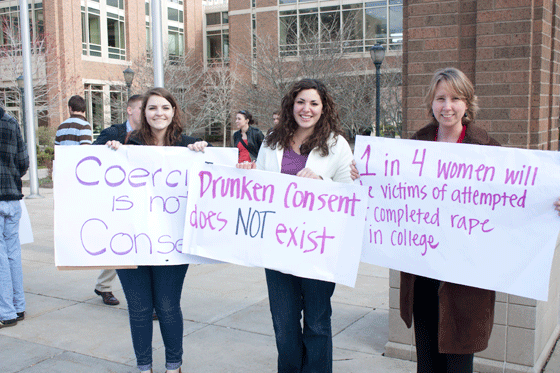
307 142
157 287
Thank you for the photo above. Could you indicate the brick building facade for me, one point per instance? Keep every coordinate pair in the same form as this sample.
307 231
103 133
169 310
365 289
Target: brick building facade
88 45
510 51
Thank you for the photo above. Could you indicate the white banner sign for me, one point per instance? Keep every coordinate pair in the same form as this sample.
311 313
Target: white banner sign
305 227
25 231
475 215
125 207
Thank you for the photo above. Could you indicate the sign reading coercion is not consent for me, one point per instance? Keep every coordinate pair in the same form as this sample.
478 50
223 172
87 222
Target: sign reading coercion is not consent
475 215
126 207
305 227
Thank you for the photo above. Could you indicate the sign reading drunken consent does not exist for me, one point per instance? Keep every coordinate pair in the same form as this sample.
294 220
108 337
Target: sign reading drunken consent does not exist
467 214
305 227
126 207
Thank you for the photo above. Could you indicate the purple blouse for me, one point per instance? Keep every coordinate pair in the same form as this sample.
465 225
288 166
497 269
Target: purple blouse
292 162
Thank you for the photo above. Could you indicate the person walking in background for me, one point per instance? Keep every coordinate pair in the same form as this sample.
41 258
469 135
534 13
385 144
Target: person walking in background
117 132
451 321
14 163
75 130
159 287
307 142
247 139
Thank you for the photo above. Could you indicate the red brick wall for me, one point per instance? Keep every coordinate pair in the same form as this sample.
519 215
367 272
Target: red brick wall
508 48
193 27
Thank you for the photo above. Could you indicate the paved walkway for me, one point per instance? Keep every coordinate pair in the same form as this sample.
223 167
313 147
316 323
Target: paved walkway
227 322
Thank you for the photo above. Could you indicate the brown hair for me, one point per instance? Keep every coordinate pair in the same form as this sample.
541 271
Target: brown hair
329 122
175 127
133 99
77 103
460 85
248 116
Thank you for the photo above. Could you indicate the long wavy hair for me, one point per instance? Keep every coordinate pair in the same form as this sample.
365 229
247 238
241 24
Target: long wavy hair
458 82
174 129
329 123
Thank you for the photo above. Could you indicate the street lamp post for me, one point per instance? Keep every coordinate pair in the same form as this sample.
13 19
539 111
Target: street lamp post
21 85
377 53
128 78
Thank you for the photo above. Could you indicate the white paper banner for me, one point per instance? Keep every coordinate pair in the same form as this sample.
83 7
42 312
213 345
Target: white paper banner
25 231
125 207
305 227
476 215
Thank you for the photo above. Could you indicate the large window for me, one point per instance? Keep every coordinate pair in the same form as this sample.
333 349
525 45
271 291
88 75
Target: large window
350 27
217 46
175 41
175 15
103 29
116 3
10 39
91 32
217 38
95 113
175 31
115 36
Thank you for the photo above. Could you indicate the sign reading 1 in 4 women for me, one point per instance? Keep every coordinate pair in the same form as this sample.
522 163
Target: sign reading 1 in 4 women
476 215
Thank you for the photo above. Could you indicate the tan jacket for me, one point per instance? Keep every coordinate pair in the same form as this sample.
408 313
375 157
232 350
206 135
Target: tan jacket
466 314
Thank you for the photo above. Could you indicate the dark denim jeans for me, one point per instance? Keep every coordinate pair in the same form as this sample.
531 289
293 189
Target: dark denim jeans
308 350
155 287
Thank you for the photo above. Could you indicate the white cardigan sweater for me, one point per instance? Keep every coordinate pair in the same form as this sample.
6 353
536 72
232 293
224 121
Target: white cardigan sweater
335 166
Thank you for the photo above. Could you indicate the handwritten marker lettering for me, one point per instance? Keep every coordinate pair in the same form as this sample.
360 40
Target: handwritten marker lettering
461 223
212 220
419 161
395 167
302 239
367 154
516 177
455 170
249 224
403 191
88 173
405 215
468 196
238 188
407 238
169 205
306 199
96 239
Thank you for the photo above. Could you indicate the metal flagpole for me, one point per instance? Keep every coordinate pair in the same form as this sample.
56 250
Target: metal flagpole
28 99
157 42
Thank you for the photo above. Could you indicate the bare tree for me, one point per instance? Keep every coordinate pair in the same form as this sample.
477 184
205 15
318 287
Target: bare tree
47 98
325 53
219 83
203 94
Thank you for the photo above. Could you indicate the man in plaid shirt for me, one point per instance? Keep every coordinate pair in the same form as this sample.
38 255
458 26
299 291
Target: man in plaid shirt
14 162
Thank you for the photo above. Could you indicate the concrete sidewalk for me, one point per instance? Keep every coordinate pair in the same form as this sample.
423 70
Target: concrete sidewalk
228 327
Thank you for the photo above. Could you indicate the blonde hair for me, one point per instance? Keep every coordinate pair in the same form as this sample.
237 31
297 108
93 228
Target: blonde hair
458 82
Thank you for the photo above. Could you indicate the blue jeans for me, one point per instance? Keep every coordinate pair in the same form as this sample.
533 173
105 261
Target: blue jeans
12 298
155 287
308 350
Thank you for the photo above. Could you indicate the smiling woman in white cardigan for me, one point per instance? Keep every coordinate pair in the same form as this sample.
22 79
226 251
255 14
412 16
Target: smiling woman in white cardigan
307 142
